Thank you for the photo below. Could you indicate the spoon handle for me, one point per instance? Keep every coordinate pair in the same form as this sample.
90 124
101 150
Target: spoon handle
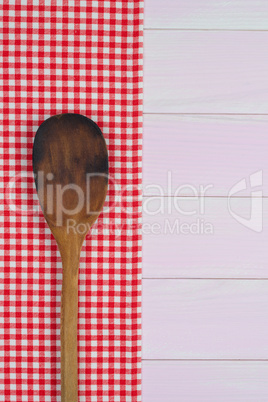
69 312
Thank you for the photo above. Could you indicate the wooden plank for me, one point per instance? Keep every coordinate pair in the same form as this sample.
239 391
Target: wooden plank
206 14
205 72
202 150
210 243
205 319
204 381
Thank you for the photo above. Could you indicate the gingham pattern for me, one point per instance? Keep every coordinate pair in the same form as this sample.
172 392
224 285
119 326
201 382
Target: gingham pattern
83 57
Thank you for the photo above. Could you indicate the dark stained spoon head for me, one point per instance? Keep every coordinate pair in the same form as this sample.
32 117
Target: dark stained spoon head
70 164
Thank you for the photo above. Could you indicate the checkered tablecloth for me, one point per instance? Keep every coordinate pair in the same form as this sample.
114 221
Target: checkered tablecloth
83 57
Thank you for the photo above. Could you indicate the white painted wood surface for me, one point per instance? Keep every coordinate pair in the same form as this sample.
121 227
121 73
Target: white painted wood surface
206 14
205 319
211 243
205 85
202 150
205 381
205 72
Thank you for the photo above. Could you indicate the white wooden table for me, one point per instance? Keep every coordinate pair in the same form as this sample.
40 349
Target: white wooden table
205 295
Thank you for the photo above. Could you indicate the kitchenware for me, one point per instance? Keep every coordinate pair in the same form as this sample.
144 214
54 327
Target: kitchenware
70 164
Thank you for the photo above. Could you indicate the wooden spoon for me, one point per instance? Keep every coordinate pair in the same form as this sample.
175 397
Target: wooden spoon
70 164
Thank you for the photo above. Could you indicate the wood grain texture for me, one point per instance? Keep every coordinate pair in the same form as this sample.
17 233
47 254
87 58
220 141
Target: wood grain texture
205 72
228 250
202 150
210 73
205 381
206 14
205 319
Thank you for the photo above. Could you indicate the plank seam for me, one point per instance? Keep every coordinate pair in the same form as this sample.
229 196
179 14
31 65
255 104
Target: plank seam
202 114
203 278
205 29
206 360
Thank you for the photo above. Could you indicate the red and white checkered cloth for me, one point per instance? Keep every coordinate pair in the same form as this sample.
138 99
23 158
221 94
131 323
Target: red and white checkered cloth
83 57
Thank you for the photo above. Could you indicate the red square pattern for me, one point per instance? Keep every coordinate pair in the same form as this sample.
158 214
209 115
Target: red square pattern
83 57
